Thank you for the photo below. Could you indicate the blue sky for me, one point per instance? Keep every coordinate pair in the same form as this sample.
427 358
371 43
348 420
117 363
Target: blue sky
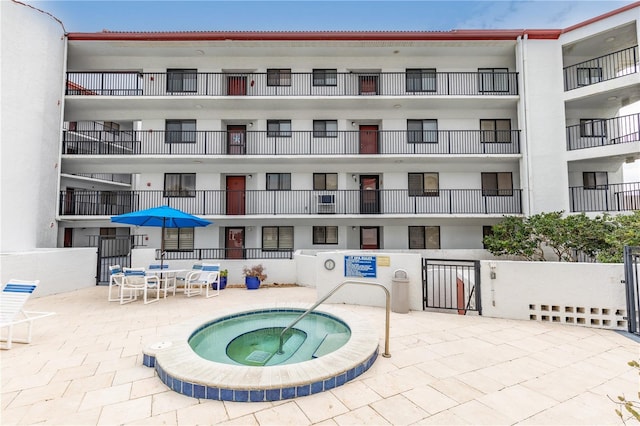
308 15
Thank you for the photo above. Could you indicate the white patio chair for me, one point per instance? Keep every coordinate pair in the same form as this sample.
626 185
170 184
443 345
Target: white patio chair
181 278
12 299
137 281
168 280
196 281
116 276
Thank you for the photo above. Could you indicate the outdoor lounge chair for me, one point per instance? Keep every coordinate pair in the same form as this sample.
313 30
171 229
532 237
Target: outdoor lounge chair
137 280
12 299
116 277
205 278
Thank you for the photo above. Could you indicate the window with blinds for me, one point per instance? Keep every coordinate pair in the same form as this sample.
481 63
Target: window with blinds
178 239
277 238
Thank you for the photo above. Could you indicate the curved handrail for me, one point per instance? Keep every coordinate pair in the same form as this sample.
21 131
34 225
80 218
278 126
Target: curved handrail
386 353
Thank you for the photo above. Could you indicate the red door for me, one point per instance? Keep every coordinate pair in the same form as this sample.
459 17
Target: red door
234 243
369 195
236 139
368 84
369 237
236 85
69 201
368 139
235 195
68 237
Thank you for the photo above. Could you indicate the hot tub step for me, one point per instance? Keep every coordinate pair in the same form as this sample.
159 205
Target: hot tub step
330 343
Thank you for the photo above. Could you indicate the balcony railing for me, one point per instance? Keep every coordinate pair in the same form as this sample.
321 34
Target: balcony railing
600 132
292 84
110 177
225 253
605 198
153 142
603 68
296 202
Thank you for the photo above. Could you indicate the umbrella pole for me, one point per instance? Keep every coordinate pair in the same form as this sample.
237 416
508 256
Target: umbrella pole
162 244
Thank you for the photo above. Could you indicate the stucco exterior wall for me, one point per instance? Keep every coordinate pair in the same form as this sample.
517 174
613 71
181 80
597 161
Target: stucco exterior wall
33 57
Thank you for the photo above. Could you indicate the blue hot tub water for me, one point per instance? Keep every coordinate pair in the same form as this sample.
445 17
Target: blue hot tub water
252 338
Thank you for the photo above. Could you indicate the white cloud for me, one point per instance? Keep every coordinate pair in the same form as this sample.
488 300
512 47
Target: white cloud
533 14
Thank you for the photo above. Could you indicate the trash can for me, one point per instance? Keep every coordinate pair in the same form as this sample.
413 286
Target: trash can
400 292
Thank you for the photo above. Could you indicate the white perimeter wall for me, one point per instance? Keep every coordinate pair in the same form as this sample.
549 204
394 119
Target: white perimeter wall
580 294
59 270
32 73
573 293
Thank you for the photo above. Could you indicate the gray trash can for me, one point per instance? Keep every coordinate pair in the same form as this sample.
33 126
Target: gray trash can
400 292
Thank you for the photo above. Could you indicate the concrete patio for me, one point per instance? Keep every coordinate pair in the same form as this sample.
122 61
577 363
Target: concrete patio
85 367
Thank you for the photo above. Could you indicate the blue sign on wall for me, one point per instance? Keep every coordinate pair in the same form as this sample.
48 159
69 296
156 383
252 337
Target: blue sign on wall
360 266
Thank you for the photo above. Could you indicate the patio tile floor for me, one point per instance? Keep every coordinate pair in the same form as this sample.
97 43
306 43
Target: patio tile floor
85 367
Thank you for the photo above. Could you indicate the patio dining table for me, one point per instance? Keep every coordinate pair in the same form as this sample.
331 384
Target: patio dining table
167 278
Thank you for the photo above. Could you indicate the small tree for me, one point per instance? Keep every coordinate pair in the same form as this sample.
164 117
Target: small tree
564 236
624 231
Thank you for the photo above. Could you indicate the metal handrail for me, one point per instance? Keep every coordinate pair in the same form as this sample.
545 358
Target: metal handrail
386 353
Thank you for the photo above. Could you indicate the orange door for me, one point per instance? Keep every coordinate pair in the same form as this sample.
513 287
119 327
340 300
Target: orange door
369 195
368 84
369 237
236 139
234 243
236 86
68 237
368 139
235 195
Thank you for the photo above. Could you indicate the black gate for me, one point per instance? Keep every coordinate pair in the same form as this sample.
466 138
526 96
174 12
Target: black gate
451 284
112 250
632 283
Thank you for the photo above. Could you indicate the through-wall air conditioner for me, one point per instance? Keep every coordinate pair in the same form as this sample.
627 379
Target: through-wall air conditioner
326 204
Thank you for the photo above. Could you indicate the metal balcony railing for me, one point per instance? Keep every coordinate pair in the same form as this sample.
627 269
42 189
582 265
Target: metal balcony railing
600 132
154 142
110 177
184 83
295 202
225 253
605 198
603 68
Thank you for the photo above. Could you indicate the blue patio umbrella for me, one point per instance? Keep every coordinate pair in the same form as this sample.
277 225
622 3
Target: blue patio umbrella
163 217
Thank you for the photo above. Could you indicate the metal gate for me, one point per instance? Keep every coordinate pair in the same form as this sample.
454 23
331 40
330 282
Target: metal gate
451 284
632 283
112 250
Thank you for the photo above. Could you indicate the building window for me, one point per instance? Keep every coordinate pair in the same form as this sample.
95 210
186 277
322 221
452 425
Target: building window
423 184
322 77
179 185
111 127
486 231
182 80
595 180
587 76
325 235
592 127
178 239
497 184
180 131
325 129
493 79
279 128
495 131
421 80
278 77
278 181
325 181
277 238
422 131
424 237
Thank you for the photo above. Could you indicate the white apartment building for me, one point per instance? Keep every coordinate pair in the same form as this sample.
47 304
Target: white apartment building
313 140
